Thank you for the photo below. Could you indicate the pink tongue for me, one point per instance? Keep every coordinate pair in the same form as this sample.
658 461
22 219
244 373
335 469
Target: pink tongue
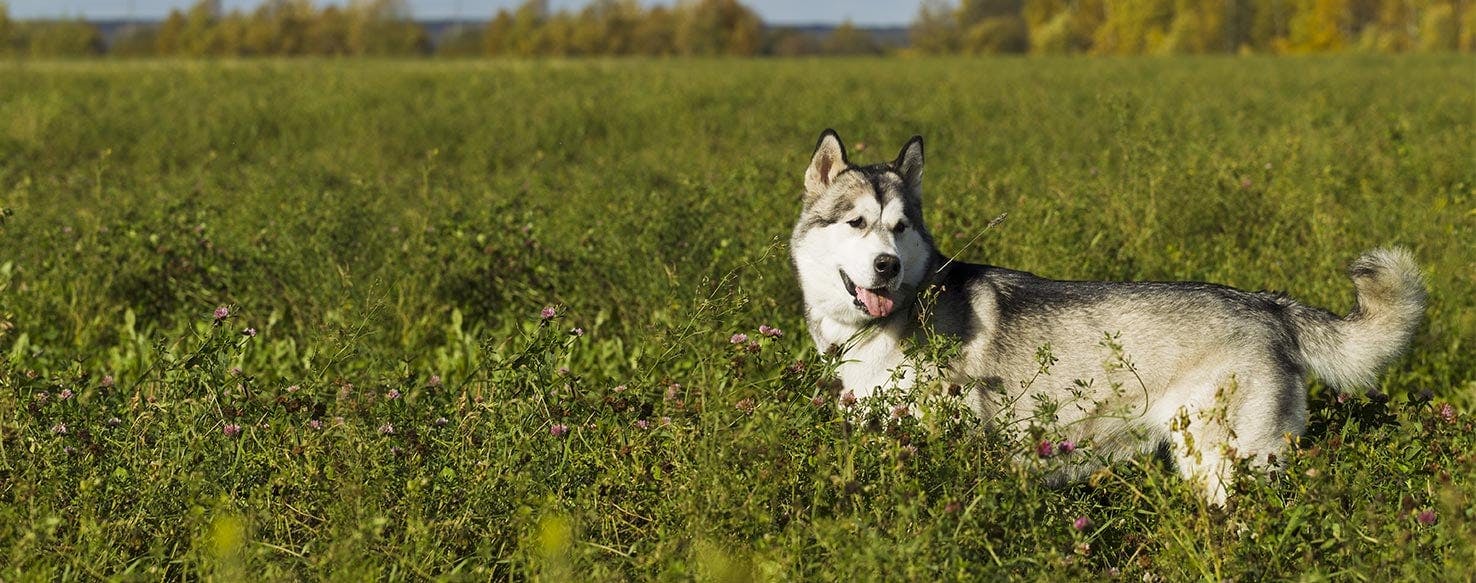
876 304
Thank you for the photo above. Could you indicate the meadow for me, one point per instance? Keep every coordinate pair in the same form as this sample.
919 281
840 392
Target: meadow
409 320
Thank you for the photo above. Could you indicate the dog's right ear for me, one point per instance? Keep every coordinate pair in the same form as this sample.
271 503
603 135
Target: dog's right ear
829 160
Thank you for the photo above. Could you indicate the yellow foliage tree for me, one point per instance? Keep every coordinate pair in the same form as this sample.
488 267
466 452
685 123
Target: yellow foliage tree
1318 26
7 31
1133 27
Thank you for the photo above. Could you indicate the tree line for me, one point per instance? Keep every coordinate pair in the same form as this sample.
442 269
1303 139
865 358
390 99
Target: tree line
1137 27
728 27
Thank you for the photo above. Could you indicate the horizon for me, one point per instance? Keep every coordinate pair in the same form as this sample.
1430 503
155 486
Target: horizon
862 13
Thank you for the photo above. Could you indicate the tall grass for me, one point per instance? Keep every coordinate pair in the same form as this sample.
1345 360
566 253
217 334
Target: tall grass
390 232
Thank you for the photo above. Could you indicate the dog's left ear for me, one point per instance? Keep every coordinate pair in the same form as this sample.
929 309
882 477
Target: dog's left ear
909 163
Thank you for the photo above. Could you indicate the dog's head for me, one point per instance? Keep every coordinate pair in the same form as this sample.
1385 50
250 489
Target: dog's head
860 246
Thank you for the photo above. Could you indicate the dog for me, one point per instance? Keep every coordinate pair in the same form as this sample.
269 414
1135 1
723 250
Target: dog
1214 375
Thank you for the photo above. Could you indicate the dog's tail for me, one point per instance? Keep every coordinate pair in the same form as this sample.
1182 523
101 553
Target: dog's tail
1349 352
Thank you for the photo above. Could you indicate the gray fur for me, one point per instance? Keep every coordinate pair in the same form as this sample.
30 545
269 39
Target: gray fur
1215 373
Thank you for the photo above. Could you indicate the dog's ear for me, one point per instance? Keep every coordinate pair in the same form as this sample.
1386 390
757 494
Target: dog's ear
909 163
829 160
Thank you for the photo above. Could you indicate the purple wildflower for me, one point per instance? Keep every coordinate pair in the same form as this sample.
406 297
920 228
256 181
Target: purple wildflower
435 381
107 381
901 411
249 332
1081 523
293 389
746 405
64 394
1447 412
548 313
642 424
235 371
848 399
386 429
558 430
222 313
619 388
576 331
231 430
665 421
738 338
1065 447
392 394
315 424
673 390
1045 448
59 429
818 401
1426 517
770 331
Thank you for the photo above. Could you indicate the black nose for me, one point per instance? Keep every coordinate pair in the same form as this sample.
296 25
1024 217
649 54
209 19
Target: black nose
887 266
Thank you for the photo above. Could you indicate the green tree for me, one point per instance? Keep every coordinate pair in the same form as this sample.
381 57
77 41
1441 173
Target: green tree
199 36
718 27
655 34
383 28
168 39
328 33
1439 29
934 31
1270 21
497 38
1468 28
135 41
7 31
68 38
462 42
846 39
526 36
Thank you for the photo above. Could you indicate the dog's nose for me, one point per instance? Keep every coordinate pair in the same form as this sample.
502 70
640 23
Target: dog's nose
887 266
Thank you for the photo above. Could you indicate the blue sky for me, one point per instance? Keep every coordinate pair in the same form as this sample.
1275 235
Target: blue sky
863 12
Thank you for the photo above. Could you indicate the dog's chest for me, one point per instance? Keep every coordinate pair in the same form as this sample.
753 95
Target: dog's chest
873 362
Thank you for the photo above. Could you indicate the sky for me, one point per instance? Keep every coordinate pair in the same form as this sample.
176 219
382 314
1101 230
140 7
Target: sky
861 12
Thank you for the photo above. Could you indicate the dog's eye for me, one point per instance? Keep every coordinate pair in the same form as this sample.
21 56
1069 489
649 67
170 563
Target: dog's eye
899 229
857 222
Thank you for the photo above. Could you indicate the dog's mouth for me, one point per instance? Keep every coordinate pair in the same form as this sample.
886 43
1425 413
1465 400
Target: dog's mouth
877 302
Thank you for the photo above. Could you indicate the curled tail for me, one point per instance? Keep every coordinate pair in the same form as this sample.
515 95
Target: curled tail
1349 352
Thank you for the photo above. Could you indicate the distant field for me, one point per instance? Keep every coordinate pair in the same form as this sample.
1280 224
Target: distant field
389 232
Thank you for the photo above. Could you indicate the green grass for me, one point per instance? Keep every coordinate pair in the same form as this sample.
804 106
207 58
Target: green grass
387 225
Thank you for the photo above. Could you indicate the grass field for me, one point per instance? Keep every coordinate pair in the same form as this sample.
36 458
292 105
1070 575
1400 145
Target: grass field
390 232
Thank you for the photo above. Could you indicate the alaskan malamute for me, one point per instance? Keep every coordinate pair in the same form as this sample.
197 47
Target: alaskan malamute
1215 373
